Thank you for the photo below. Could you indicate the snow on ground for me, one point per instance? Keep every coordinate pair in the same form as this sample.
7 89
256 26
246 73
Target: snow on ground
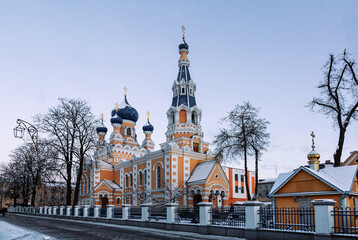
11 232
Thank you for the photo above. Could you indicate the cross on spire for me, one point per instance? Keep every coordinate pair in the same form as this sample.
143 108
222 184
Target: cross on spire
313 136
102 117
116 106
183 30
148 114
125 91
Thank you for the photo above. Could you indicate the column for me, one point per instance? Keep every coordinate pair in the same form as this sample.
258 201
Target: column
323 215
145 212
125 211
204 213
49 211
96 211
76 210
85 210
251 214
110 210
45 210
171 212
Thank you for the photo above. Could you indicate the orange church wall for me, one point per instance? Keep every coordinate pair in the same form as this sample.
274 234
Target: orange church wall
304 182
289 202
182 116
106 175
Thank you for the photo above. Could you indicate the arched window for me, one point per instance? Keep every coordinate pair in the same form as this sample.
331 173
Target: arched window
131 180
182 90
88 185
182 116
118 201
145 177
173 118
126 181
158 177
140 178
129 132
194 118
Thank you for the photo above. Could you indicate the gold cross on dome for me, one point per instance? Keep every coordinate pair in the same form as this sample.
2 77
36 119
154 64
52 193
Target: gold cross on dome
102 116
313 136
125 91
183 29
116 106
148 114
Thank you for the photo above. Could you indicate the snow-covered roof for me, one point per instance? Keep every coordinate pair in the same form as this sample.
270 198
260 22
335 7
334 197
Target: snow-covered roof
201 171
267 180
111 184
339 178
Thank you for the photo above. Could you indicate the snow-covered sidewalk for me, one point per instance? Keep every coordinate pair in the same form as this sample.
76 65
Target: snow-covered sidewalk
11 232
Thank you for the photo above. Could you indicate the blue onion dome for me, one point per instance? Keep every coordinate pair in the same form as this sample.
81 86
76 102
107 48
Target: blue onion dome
184 45
126 111
101 128
148 127
116 119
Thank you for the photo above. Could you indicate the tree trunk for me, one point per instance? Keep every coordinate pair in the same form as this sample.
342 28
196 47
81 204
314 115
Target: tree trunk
78 181
338 154
256 171
68 184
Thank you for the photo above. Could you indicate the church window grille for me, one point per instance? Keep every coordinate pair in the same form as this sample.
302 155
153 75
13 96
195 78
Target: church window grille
173 118
242 189
242 178
145 177
158 177
182 90
194 118
129 131
126 181
236 189
236 177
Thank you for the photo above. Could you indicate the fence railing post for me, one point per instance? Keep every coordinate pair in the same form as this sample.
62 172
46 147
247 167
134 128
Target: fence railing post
49 211
324 220
62 210
252 217
204 213
46 210
68 210
145 211
125 211
110 211
75 212
96 211
171 212
85 210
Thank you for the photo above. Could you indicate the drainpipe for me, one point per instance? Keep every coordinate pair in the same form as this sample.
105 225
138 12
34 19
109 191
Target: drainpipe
342 202
343 207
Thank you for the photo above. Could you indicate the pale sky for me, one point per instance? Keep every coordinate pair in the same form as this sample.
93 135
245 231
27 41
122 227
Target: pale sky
270 53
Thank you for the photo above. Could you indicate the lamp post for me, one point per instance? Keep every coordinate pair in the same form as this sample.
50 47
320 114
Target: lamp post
24 126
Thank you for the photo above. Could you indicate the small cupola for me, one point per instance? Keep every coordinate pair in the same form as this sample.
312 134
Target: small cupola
313 156
101 129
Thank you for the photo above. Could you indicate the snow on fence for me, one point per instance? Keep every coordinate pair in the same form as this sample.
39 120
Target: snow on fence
228 217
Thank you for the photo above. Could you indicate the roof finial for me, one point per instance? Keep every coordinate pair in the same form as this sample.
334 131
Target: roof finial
125 91
102 117
183 29
148 114
116 106
313 136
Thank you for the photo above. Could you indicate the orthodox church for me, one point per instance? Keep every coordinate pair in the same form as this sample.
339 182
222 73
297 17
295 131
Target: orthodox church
183 169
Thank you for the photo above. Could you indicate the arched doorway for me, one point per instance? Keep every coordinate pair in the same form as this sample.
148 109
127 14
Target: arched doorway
197 198
104 201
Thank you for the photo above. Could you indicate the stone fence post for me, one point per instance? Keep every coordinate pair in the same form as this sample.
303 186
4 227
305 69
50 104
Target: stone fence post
54 210
49 211
85 210
145 211
46 210
41 210
110 211
125 211
204 213
96 211
171 212
75 213
62 212
323 215
252 217
68 210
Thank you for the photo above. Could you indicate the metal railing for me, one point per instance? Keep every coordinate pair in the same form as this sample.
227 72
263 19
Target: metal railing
72 212
103 212
91 212
345 221
135 213
287 219
157 213
187 214
80 212
228 217
117 212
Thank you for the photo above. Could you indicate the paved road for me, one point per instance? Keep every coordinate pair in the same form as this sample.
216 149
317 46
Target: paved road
70 229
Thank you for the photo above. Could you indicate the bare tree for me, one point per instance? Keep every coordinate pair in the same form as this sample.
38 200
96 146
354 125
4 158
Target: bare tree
70 128
245 135
339 96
